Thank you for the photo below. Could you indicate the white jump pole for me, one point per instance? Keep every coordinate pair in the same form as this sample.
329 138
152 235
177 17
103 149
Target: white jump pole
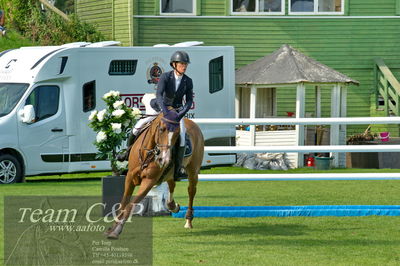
309 176
300 121
302 149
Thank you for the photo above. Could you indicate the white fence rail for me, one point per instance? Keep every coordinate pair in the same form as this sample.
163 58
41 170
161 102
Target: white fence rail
300 121
309 176
303 149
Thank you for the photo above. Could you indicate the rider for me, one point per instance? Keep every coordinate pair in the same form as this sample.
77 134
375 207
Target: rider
172 86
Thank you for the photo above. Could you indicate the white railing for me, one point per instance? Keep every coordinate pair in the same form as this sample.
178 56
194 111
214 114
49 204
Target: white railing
302 149
309 176
302 121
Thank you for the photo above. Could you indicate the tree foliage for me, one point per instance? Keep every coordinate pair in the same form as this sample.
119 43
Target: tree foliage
46 27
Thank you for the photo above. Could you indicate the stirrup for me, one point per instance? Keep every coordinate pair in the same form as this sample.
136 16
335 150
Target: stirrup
180 174
123 157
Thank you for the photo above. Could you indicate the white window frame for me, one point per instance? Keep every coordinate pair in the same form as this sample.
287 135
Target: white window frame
315 12
257 7
194 5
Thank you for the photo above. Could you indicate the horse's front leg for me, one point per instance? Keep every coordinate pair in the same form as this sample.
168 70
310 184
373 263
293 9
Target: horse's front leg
128 190
144 188
192 188
171 204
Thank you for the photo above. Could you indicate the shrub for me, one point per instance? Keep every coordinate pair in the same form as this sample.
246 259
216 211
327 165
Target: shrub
46 27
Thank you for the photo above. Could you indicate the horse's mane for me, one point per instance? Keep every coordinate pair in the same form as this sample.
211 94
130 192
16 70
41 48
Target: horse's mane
147 132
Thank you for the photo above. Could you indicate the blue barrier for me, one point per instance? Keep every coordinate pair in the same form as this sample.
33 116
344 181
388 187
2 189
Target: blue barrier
286 211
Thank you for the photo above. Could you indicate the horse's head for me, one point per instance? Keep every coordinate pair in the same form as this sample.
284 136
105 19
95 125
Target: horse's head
166 135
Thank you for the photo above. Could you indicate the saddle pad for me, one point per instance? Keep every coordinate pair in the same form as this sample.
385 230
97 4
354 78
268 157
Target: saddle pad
188 146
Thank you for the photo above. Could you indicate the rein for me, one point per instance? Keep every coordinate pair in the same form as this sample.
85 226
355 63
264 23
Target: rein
153 153
169 121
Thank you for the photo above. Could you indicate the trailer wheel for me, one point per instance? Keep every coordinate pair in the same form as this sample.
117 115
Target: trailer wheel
10 169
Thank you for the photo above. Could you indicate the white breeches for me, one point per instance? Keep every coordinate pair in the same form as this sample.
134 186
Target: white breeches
141 123
145 120
182 132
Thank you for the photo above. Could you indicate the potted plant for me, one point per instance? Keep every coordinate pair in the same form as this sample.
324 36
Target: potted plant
112 125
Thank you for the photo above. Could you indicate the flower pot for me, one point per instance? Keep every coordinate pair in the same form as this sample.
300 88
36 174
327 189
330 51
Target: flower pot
154 204
323 163
112 192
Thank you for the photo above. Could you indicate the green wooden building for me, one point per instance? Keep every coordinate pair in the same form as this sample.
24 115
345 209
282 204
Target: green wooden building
346 35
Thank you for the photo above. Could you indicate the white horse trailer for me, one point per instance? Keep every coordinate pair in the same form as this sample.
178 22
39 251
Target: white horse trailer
63 84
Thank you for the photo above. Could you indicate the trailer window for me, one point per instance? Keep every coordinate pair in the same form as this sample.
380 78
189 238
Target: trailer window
122 67
45 101
89 96
216 74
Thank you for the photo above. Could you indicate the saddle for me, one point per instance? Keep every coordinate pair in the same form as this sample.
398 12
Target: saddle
188 142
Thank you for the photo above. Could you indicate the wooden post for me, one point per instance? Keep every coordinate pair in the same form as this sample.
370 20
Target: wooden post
300 112
335 112
253 97
343 128
237 101
54 9
318 98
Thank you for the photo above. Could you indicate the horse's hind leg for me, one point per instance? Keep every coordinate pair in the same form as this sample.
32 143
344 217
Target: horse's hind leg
193 179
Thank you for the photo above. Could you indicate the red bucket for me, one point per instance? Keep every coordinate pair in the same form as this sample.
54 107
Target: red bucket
384 136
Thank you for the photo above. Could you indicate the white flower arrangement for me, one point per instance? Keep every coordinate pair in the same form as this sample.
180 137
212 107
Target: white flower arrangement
101 114
112 126
116 127
118 104
101 136
118 113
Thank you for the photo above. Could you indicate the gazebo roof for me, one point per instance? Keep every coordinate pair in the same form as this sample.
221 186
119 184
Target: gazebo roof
288 66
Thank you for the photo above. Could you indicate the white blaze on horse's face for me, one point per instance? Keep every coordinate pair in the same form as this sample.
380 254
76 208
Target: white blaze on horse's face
166 152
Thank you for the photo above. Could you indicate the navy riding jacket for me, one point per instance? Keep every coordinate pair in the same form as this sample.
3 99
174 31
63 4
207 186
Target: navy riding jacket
167 96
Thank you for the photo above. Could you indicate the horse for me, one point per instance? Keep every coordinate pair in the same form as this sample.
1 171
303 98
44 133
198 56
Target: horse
150 163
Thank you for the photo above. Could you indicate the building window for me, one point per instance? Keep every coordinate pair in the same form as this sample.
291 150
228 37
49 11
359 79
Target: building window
89 96
316 6
270 7
45 100
177 7
216 74
122 67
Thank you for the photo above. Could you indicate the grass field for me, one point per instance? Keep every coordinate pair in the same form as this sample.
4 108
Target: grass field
371 240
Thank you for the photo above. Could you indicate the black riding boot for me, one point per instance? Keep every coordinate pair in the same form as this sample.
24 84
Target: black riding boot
125 156
180 172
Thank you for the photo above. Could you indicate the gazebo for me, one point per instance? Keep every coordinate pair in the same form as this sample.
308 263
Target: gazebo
287 67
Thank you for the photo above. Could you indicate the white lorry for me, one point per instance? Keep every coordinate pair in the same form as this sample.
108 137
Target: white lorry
58 86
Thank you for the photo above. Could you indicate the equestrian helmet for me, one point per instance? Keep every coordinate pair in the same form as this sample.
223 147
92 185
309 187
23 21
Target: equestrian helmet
180 56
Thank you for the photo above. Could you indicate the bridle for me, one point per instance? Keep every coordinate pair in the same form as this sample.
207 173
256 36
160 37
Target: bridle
153 153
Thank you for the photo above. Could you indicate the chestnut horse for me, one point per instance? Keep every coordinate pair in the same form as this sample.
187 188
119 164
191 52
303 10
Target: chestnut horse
150 162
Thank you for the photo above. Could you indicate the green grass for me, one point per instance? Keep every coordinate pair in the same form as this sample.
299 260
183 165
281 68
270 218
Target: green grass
14 40
372 240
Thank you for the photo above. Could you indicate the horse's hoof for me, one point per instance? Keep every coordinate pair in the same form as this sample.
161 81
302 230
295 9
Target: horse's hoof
188 224
173 208
177 208
109 230
112 235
